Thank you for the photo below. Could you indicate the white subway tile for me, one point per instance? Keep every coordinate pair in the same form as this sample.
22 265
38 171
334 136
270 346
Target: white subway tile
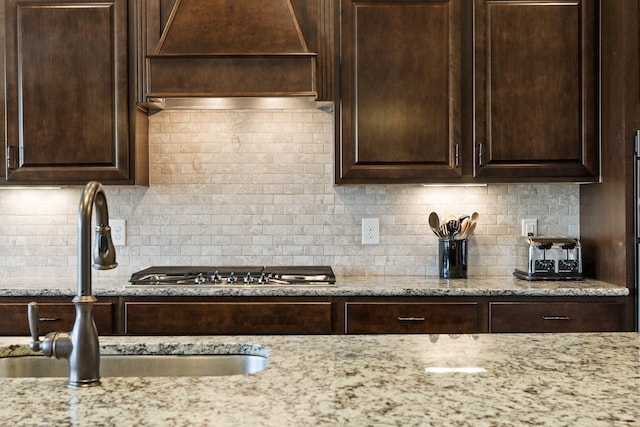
237 187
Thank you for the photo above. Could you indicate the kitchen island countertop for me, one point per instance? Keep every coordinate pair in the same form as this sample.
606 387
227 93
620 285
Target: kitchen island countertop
390 286
454 380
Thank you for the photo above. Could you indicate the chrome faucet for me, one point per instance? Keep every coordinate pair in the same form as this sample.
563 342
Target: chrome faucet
81 346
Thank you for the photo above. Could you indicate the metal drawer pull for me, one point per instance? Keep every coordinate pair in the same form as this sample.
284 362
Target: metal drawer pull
410 319
48 319
556 318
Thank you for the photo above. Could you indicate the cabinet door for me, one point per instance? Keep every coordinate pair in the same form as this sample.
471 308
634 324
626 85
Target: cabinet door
556 317
184 318
66 90
403 318
399 117
54 317
536 90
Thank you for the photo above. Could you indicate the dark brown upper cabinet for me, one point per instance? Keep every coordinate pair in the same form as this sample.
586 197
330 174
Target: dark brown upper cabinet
69 116
399 119
536 90
468 92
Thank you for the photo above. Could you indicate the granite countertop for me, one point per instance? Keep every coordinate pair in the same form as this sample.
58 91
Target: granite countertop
510 379
115 286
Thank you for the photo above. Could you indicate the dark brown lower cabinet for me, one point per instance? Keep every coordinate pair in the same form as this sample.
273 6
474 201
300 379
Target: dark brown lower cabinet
406 318
556 317
283 316
213 318
54 317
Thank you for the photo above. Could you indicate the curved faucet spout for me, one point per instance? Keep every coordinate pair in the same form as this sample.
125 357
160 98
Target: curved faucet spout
104 254
81 346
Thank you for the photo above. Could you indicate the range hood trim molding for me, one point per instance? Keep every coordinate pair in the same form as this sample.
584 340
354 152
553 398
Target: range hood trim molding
238 103
234 55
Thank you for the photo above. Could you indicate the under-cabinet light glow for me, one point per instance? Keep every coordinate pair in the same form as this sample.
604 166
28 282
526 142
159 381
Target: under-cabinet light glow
453 185
29 188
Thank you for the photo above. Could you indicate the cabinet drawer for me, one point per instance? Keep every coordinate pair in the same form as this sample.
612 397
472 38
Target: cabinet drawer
54 317
182 318
400 318
556 317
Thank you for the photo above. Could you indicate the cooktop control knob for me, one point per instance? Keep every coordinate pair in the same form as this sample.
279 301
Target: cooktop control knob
232 278
248 279
263 279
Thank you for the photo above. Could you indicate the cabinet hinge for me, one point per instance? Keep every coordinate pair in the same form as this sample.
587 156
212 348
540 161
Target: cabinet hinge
480 146
637 139
457 158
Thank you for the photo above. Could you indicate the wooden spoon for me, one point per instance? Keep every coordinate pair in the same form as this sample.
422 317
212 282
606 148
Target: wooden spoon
434 223
463 228
471 225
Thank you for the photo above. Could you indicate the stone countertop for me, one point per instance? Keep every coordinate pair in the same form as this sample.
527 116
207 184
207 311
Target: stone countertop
429 380
347 286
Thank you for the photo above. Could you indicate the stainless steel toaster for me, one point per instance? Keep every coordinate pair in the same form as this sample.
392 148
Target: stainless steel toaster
552 258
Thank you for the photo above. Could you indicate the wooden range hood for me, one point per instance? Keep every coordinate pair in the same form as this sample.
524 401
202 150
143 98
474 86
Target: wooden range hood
231 53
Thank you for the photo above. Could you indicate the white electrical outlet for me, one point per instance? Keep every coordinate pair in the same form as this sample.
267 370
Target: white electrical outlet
529 227
370 231
118 231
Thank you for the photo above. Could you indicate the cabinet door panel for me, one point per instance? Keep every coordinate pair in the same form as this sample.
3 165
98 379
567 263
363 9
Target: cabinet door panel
396 318
401 96
227 318
556 317
536 90
55 317
67 90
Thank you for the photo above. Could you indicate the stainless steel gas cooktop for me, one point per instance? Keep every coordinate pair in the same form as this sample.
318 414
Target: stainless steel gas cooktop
234 276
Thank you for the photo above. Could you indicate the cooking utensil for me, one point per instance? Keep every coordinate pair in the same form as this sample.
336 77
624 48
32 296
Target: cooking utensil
444 231
463 228
471 228
464 223
434 223
471 225
453 227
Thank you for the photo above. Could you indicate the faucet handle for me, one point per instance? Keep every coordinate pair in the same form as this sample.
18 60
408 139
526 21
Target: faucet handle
34 326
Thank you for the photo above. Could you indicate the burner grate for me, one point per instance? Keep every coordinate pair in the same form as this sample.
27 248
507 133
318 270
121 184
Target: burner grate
234 276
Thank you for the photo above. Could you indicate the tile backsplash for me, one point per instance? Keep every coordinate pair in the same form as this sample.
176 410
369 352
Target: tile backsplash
256 187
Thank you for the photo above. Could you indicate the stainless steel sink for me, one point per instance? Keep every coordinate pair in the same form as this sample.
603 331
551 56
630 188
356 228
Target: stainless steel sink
138 366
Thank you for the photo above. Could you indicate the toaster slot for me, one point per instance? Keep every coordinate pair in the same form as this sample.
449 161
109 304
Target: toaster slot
544 265
568 266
